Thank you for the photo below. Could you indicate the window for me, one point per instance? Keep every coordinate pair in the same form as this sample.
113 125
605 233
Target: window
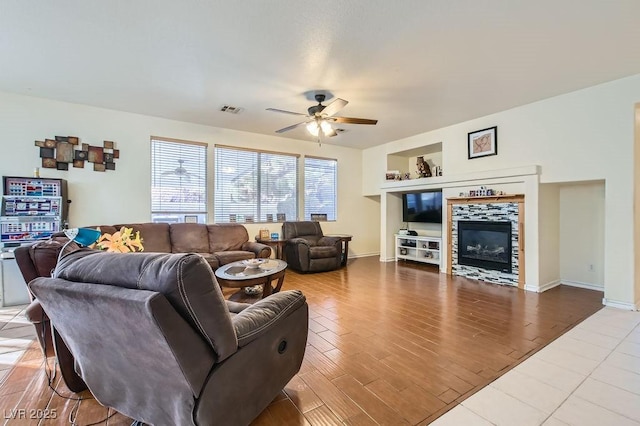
178 181
255 186
320 193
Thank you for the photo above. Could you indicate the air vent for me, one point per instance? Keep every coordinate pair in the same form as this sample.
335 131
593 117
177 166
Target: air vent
230 109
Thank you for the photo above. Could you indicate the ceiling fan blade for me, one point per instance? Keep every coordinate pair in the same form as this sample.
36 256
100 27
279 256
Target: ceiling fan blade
351 120
334 107
286 129
285 112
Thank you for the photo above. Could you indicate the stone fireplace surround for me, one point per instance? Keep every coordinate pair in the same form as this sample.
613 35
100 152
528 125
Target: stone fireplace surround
488 209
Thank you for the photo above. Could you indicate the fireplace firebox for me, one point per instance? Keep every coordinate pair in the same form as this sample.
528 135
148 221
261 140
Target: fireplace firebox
485 244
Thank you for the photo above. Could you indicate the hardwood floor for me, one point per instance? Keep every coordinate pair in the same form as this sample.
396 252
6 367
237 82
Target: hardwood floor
388 344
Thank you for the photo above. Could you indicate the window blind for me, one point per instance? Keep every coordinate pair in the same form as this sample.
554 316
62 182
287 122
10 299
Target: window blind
320 187
254 186
178 177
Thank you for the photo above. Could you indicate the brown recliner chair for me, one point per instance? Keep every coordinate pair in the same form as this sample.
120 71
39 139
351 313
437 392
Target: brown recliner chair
308 250
154 338
39 260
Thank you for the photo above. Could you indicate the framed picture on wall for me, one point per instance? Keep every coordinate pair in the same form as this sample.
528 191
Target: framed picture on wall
483 143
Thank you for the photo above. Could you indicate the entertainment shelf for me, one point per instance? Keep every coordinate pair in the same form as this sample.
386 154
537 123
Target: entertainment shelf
418 248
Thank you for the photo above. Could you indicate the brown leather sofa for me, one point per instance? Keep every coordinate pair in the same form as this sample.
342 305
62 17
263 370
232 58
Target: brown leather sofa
173 351
308 250
219 244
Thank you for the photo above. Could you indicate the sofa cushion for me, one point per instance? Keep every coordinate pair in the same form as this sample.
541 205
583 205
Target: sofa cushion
302 229
211 259
105 229
155 236
186 280
312 240
322 252
189 238
226 236
225 257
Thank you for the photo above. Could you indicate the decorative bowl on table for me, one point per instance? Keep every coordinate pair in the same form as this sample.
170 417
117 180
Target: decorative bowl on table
253 263
253 291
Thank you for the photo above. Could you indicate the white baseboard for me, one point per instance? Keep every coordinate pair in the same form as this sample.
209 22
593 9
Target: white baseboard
620 305
555 283
543 287
388 259
354 256
588 286
550 285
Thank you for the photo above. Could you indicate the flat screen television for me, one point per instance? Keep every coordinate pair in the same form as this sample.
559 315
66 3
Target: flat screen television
423 207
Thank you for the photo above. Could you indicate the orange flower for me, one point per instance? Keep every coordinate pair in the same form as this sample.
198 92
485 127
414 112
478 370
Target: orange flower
121 241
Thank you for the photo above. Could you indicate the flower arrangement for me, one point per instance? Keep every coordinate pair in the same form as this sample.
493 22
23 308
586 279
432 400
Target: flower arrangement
121 241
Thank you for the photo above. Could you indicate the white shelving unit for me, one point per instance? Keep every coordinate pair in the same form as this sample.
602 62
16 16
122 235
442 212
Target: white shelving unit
418 248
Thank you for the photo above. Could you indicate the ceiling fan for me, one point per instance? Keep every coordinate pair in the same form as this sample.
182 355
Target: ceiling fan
319 117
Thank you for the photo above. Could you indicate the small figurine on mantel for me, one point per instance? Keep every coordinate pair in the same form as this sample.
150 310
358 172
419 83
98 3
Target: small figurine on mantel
423 168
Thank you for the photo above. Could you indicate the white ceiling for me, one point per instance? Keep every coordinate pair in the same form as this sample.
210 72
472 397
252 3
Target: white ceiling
415 65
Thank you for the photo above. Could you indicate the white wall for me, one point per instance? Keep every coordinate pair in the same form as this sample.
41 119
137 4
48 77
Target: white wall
581 136
124 195
636 197
582 220
549 226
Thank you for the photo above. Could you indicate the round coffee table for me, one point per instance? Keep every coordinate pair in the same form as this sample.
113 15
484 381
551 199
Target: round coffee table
238 275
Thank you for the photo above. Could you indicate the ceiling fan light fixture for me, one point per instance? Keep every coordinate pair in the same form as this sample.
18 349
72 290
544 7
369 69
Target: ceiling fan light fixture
313 128
326 127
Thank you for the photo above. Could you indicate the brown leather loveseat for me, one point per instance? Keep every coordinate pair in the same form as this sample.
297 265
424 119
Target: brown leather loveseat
219 244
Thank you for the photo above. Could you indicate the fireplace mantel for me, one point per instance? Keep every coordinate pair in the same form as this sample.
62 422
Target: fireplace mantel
517 198
508 200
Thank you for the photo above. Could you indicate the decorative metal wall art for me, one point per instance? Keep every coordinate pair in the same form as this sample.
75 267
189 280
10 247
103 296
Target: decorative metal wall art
58 153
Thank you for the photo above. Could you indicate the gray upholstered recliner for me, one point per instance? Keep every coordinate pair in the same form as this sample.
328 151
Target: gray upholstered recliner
153 337
308 250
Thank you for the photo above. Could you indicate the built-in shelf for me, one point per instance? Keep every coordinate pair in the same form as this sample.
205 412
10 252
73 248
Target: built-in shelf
418 248
405 161
460 179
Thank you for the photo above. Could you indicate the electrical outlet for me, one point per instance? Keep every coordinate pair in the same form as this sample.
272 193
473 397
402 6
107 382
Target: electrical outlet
591 268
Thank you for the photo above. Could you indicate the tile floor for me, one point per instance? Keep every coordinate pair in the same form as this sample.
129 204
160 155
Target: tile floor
16 334
589 376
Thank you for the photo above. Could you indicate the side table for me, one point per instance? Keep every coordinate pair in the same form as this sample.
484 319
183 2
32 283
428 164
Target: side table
277 246
344 238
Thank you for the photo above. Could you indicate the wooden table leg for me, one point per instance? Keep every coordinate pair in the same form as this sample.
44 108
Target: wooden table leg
268 290
266 287
346 252
279 285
